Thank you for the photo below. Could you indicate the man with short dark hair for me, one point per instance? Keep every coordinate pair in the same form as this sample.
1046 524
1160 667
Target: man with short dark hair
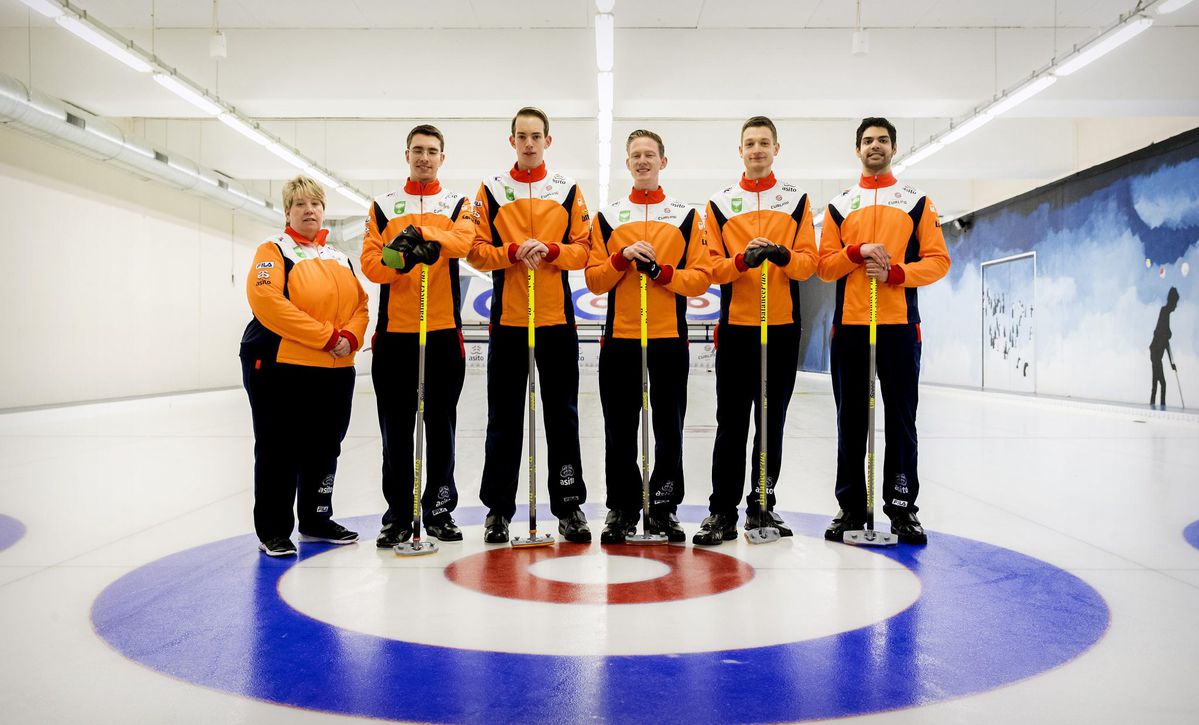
887 231
649 234
528 219
758 219
439 223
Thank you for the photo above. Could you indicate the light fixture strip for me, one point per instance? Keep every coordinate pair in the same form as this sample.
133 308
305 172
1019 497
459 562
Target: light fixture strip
1103 44
187 92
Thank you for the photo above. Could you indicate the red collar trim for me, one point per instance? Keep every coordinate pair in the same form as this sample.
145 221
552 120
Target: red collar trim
762 184
528 177
641 196
877 182
416 188
301 239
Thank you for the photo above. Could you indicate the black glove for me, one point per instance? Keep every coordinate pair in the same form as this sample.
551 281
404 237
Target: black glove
424 253
652 269
408 237
774 252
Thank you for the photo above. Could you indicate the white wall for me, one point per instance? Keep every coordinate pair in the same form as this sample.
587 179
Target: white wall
113 285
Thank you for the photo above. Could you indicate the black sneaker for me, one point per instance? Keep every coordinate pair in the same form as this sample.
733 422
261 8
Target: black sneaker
444 528
617 527
773 520
278 546
495 529
329 532
907 528
716 529
843 522
573 527
668 524
392 534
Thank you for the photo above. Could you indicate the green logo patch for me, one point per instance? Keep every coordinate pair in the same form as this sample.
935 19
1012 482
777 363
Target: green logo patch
737 205
400 206
509 193
625 214
857 201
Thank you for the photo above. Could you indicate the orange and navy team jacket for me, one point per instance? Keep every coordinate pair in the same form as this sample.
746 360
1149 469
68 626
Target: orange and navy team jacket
674 231
774 210
519 205
901 218
441 216
303 304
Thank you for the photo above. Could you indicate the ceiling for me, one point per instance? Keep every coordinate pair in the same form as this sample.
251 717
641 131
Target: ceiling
344 81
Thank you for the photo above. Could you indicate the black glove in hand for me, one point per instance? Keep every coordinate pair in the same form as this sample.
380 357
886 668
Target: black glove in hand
774 252
408 237
652 269
425 253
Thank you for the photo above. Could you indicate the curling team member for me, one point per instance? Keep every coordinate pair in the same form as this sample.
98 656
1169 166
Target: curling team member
297 356
527 218
890 231
423 224
760 218
649 234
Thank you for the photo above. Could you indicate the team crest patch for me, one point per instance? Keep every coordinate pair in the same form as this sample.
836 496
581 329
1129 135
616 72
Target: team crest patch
400 206
625 214
737 205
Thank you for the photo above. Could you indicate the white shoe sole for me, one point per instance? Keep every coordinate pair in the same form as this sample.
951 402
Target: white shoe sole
269 552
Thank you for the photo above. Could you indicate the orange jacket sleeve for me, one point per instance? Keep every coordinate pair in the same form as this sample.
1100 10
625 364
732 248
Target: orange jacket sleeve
723 267
601 274
934 256
834 262
372 252
694 279
456 241
576 252
803 247
276 312
484 255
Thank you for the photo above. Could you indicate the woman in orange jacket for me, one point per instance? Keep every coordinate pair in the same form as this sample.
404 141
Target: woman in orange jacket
297 355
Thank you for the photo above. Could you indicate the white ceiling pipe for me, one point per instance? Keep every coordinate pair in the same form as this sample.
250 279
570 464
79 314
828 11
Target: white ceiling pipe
40 115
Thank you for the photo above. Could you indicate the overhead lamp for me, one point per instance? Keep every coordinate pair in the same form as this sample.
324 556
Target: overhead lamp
235 122
123 53
354 196
316 173
1165 8
922 153
605 49
49 8
287 155
1104 44
605 6
187 93
1021 94
604 82
966 127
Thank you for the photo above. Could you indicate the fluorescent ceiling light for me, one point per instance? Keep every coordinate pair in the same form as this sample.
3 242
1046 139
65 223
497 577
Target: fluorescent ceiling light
287 155
896 169
605 6
49 8
353 196
1021 94
1103 45
322 177
187 93
922 153
604 82
100 40
604 42
245 129
966 127
1165 8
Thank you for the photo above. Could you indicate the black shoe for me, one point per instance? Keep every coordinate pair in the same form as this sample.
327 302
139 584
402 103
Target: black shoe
617 527
773 520
906 526
329 532
841 523
668 524
278 546
716 529
573 527
444 528
392 534
495 529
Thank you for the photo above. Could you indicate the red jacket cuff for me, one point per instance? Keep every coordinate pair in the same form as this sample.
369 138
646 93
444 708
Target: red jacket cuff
512 253
665 275
349 336
896 275
332 340
855 253
555 250
619 262
739 261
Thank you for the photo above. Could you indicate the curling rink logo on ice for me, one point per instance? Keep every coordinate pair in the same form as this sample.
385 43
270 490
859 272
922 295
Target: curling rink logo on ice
798 629
1191 534
11 531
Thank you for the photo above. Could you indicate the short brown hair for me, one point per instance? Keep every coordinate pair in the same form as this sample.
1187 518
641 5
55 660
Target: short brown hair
535 113
876 122
760 122
301 186
642 133
425 130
